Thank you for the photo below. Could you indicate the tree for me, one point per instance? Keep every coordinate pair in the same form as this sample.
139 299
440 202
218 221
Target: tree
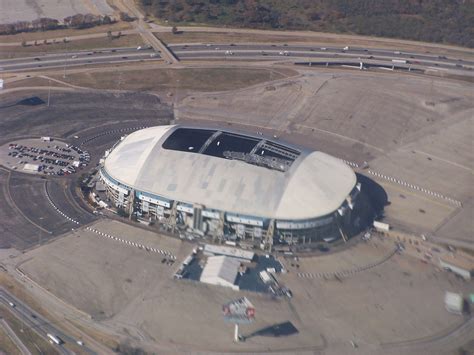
109 34
23 43
174 30
106 20
7 29
126 17
45 41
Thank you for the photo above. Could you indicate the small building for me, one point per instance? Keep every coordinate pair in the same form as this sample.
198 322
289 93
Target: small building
100 186
221 271
241 255
460 265
453 302
32 168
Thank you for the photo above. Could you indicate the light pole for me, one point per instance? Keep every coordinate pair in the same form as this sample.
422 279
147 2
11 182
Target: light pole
65 62
49 92
40 235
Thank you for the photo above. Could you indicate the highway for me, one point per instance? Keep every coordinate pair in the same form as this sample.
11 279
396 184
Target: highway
283 51
36 322
323 55
79 58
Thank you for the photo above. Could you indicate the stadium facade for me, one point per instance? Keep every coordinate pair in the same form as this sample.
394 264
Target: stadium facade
228 185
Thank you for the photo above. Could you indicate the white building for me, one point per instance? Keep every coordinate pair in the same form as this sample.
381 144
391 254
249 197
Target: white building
221 271
32 168
458 264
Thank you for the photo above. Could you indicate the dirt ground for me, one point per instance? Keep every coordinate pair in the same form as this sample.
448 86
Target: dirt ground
130 291
23 10
409 127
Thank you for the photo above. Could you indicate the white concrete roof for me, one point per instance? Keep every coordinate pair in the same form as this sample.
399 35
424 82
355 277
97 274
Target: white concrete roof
228 251
220 270
31 167
315 185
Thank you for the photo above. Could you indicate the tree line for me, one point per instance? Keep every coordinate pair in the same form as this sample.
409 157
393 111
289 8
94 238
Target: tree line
45 24
446 21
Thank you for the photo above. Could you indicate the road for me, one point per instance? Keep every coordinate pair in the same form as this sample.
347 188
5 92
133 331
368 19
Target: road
330 55
79 58
36 322
12 335
283 51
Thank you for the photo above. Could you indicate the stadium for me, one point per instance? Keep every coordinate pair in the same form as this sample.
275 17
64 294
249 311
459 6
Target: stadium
229 185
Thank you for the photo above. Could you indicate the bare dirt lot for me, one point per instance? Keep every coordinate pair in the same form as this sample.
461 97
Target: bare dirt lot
133 293
23 10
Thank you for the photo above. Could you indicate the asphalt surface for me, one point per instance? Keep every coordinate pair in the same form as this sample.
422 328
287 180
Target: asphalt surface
35 209
36 322
239 51
190 51
79 58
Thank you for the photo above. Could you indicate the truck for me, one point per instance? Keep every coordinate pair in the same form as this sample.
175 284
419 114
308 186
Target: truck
266 277
454 303
400 61
54 339
380 226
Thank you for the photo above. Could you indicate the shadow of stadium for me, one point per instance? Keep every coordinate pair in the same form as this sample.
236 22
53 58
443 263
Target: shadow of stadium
372 201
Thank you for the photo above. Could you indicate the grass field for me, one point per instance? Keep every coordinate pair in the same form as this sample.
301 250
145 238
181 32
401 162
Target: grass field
131 40
31 82
32 341
32 36
6 344
199 79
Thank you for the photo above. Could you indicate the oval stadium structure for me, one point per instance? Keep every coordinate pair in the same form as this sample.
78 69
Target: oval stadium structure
230 185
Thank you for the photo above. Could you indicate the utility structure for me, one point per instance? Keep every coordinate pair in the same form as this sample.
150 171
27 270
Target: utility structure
238 311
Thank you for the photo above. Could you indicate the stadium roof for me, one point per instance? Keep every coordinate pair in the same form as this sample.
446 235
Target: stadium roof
261 177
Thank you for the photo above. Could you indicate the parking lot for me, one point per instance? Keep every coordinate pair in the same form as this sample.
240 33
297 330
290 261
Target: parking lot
46 156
